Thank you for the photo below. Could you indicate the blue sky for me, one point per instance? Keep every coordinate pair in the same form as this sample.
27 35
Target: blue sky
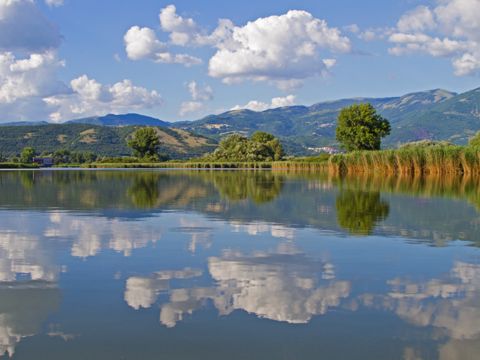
91 57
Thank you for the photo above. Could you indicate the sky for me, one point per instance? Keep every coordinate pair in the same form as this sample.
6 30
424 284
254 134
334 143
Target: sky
184 59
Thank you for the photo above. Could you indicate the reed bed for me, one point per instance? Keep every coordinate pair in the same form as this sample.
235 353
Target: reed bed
438 159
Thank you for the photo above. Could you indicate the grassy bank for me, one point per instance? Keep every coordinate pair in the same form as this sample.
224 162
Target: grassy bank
435 159
12 165
183 165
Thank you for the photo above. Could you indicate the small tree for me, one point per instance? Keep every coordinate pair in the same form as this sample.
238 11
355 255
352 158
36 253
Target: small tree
361 128
27 155
144 142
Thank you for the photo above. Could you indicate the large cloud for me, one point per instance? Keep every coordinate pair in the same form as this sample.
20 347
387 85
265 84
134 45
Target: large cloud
33 76
277 48
23 27
28 60
29 84
24 82
450 29
89 97
282 49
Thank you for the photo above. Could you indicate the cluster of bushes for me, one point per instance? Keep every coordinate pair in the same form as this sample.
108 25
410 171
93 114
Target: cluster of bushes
72 157
59 157
261 146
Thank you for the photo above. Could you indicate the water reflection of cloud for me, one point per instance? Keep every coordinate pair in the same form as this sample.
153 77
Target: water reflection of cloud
201 234
25 254
256 228
22 311
92 234
282 285
451 306
142 292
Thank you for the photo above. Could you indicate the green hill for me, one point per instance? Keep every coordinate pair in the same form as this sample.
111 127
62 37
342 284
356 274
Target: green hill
456 120
102 140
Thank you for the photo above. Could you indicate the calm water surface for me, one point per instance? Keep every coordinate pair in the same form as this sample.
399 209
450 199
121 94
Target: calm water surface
237 265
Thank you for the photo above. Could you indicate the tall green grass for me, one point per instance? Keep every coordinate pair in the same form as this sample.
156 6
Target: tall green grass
436 159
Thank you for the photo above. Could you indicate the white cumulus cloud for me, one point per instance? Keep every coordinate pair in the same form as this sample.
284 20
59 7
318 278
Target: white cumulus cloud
142 43
277 48
277 102
88 97
284 49
33 76
449 29
181 30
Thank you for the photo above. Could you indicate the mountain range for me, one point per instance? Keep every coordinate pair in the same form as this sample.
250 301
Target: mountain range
435 114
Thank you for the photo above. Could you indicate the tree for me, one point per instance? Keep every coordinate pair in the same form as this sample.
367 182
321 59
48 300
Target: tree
261 146
27 155
61 156
361 128
270 147
144 142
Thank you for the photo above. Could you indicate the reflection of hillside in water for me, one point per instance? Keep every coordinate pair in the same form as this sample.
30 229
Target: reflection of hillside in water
283 285
433 209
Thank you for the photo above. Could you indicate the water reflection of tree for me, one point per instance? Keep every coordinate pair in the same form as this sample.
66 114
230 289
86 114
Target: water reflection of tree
144 191
27 179
360 211
260 187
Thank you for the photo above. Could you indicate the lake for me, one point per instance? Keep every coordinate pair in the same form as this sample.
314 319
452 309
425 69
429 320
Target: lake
237 265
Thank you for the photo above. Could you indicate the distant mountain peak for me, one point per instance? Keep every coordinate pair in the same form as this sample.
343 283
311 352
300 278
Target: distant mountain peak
130 119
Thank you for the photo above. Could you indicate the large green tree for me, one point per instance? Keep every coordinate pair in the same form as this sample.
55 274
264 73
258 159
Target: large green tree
144 142
27 155
261 146
360 127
